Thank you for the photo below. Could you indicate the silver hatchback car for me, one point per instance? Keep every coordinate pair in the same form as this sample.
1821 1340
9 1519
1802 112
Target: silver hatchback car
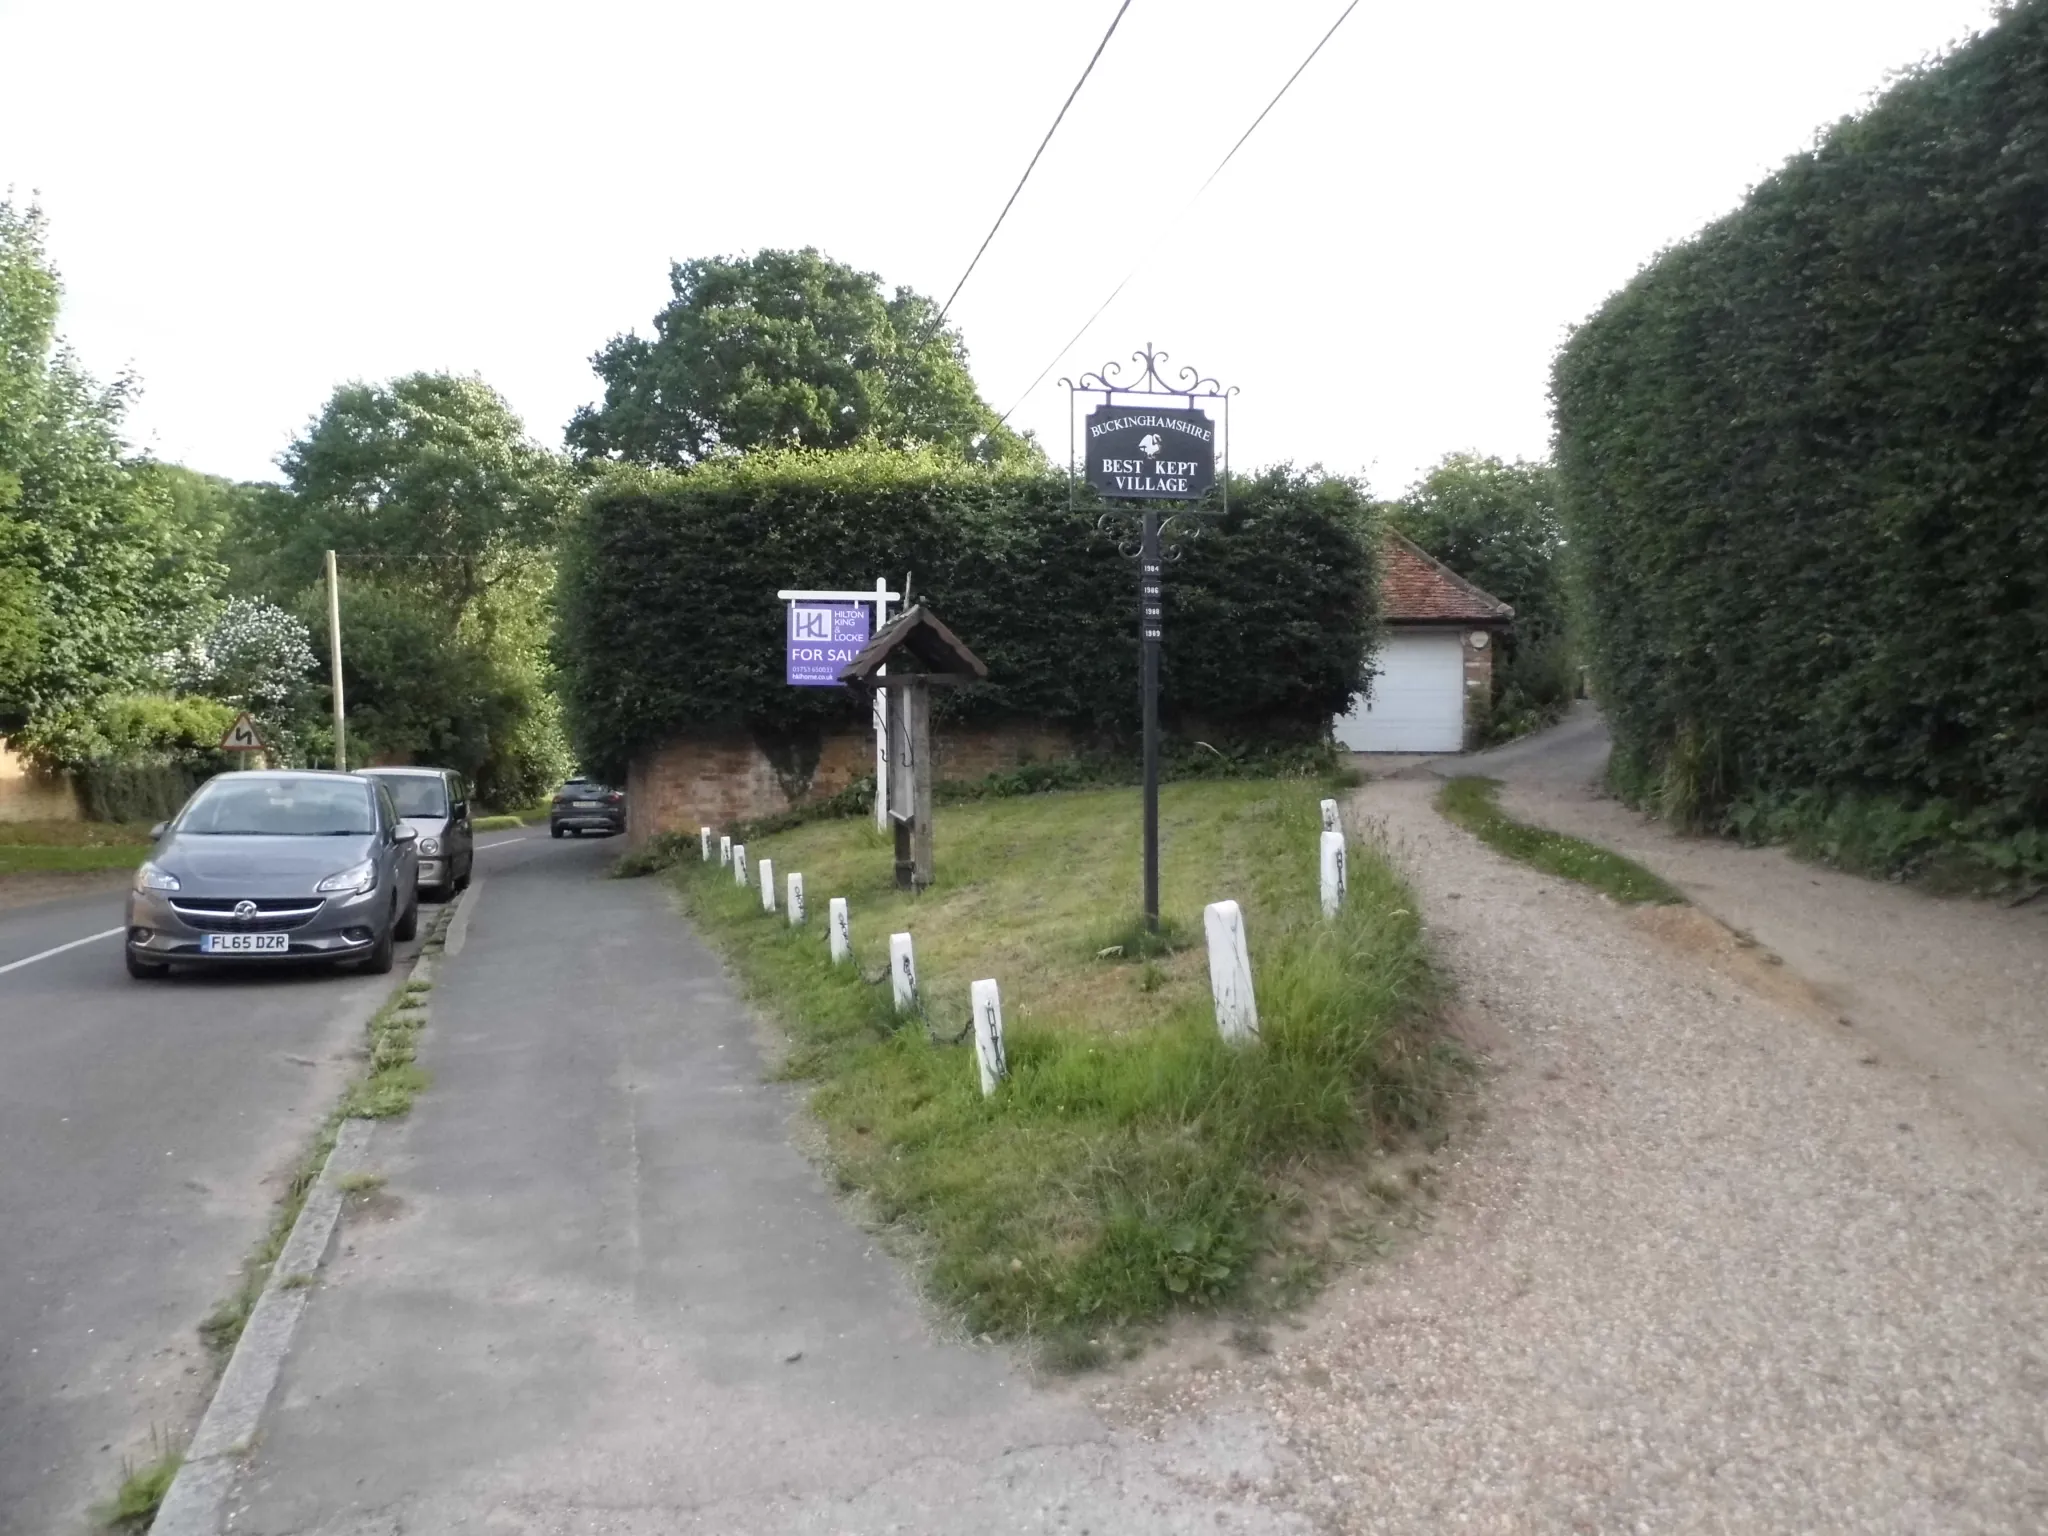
276 866
436 802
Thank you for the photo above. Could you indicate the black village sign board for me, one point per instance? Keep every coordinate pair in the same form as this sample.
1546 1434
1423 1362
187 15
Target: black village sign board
1151 453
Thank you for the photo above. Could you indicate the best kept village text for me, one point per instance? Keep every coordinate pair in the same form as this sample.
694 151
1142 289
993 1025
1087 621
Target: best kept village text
1154 475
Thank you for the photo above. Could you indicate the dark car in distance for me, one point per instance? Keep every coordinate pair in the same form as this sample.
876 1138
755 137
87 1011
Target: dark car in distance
584 805
436 802
266 867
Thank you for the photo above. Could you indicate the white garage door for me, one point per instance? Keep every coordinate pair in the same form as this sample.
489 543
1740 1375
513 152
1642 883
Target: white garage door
1417 703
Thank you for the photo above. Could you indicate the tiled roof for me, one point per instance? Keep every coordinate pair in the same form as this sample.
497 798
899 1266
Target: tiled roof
1414 589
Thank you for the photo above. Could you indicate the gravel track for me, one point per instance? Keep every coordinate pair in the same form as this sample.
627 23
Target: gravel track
1705 1264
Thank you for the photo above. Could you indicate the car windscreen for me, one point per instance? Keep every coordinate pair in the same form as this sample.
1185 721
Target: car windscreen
280 808
417 794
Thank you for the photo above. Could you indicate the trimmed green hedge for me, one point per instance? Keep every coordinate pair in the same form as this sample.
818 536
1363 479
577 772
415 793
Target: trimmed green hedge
1804 458
670 621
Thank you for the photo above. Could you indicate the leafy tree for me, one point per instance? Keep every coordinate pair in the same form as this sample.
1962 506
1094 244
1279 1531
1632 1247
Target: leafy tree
430 480
442 515
230 522
254 655
419 691
1497 525
786 349
94 577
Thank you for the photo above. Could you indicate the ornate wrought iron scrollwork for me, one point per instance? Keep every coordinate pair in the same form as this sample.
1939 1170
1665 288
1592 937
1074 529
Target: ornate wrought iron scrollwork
1195 384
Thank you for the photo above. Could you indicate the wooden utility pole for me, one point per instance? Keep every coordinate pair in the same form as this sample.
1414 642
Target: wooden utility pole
334 658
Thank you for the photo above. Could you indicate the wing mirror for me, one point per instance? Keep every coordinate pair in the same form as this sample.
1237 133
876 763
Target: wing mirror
405 832
158 830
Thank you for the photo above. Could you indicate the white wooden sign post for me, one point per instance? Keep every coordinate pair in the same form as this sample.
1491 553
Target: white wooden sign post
795 901
841 925
767 885
988 1034
739 864
724 852
1230 972
903 972
1335 880
881 597
1330 821
704 837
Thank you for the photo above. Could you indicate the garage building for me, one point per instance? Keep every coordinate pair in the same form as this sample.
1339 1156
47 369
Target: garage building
1433 675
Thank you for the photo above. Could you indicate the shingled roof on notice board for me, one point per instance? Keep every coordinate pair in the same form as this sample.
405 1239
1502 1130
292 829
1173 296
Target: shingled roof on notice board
914 635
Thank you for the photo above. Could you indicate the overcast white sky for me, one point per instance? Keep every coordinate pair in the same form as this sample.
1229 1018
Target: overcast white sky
251 203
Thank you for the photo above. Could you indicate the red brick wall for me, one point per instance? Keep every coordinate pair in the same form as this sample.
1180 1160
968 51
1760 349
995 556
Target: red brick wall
1478 684
696 781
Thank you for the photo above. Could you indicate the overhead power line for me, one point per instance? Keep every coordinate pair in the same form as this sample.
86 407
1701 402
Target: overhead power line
1220 164
1055 128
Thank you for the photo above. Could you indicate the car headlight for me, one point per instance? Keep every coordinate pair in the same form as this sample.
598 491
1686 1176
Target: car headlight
430 846
152 878
354 880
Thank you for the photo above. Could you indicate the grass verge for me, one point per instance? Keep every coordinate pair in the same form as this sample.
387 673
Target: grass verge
20 859
1133 1163
74 834
497 823
71 847
1473 805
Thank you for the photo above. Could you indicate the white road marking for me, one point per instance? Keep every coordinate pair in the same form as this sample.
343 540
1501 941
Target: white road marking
503 842
32 959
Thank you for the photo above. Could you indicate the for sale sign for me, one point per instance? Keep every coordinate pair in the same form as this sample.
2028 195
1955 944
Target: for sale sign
822 639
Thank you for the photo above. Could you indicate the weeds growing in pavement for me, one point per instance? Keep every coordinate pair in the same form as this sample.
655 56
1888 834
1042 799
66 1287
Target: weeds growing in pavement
1471 803
135 1503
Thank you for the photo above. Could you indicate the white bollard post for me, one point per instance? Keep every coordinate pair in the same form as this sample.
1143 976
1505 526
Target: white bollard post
724 852
1335 881
704 837
1230 972
1330 821
795 901
739 864
988 1034
903 972
842 929
767 885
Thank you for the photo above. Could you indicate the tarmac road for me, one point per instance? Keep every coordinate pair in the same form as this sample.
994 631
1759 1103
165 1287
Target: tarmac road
144 1128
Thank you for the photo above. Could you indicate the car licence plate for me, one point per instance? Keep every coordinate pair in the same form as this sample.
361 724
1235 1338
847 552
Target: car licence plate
245 944
586 805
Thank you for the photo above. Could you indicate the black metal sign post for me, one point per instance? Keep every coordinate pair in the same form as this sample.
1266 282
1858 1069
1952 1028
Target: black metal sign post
1140 452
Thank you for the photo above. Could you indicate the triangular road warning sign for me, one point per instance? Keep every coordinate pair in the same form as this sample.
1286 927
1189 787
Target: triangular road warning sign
241 736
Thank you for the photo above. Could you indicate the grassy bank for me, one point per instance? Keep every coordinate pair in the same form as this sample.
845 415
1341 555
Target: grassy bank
1473 805
1133 1162
70 847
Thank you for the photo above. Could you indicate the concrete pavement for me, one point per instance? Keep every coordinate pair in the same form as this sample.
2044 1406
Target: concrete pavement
603 1291
142 1127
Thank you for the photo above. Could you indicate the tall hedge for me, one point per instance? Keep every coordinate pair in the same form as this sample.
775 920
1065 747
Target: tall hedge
670 623
1805 464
